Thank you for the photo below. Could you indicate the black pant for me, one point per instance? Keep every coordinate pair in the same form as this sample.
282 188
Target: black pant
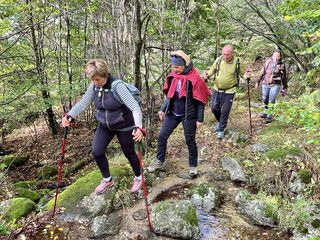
100 143
221 104
189 127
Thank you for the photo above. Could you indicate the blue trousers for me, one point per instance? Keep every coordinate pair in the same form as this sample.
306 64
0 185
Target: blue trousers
269 95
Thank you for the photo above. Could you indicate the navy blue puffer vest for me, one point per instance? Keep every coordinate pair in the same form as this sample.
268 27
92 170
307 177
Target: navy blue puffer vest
110 112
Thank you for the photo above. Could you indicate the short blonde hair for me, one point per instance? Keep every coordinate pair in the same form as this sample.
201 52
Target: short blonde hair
97 67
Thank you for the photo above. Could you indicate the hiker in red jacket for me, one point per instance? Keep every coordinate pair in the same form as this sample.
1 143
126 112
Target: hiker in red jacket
272 75
186 94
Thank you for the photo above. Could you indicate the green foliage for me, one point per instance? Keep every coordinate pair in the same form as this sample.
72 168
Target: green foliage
294 215
304 15
303 111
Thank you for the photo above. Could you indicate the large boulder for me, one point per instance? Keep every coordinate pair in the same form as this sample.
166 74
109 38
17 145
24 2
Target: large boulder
254 209
175 218
15 208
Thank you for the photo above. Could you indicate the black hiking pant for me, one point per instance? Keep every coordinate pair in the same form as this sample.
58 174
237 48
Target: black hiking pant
221 104
102 138
189 126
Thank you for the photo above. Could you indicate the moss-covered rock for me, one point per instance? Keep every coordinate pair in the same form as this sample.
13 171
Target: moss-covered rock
15 208
305 176
175 218
27 193
47 172
25 184
86 185
13 160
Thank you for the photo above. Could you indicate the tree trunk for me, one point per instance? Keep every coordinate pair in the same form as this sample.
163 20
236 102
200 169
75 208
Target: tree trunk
37 44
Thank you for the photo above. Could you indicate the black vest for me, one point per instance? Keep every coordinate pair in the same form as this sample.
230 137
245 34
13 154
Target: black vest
110 112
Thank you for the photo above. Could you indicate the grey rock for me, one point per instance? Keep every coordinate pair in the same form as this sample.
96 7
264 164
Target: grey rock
253 209
176 219
106 225
207 201
258 147
93 205
233 167
140 214
295 184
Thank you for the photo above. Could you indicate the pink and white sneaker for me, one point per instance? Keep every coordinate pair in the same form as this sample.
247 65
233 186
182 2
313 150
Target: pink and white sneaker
136 186
103 186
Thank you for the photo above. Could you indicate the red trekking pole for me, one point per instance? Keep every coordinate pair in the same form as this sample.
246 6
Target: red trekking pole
64 141
144 186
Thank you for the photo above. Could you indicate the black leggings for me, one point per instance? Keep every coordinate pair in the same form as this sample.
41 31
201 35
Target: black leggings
100 143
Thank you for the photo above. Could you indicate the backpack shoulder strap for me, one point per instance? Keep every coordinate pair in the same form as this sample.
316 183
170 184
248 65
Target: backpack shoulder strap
114 85
238 71
217 68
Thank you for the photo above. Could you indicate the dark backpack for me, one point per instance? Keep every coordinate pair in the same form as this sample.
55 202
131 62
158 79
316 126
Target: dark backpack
236 72
132 89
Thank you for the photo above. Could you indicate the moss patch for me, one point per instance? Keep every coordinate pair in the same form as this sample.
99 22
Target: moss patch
13 159
201 189
305 176
316 223
25 184
276 154
47 172
19 207
84 186
27 193
191 216
293 150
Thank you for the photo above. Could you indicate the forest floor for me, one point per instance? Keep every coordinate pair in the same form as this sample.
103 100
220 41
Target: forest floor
44 149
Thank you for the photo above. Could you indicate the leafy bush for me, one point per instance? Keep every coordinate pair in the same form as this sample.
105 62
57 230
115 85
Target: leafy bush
304 111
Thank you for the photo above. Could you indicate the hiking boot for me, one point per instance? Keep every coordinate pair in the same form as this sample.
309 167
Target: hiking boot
136 186
263 115
220 135
103 186
193 172
217 127
268 120
156 165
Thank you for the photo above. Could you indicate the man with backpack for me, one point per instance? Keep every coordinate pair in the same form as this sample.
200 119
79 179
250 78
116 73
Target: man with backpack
272 75
118 114
186 95
226 71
